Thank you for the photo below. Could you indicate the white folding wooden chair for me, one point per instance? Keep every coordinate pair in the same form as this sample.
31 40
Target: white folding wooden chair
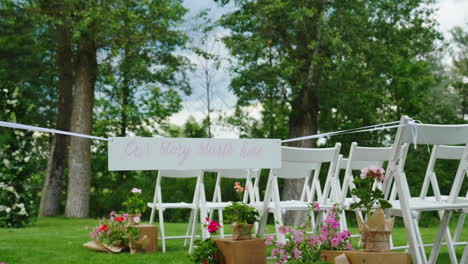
298 163
441 152
198 201
252 179
409 208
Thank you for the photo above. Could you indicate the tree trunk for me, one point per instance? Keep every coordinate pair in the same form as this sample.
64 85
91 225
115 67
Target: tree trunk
79 162
303 120
50 200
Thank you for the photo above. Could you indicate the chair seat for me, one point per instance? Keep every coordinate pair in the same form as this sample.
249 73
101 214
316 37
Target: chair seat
217 205
429 204
171 205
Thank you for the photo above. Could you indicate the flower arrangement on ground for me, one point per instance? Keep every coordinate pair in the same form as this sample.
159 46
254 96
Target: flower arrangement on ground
114 233
206 251
135 206
241 216
303 248
376 230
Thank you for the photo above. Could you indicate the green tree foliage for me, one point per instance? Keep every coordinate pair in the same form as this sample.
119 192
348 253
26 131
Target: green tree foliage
459 69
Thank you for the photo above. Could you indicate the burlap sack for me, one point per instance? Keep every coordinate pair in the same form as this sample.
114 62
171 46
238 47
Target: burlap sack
139 246
376 231
98 246
241 232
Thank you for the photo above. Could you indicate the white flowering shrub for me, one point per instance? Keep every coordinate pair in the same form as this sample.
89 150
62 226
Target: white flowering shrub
13 212
21 169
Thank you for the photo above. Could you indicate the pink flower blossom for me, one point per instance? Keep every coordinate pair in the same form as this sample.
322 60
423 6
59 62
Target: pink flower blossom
349 246
345 234
238 187
335 242
279 244
316 206
297 253
284 229
136 219
136 190
298 236
269 240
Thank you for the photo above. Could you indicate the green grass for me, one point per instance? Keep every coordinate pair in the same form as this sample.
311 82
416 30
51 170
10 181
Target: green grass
59 240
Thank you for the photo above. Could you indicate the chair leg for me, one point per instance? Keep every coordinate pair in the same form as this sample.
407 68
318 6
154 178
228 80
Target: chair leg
464 258
188 232
458 230
421 249
193 229
153 212
440 234
161 227
221 220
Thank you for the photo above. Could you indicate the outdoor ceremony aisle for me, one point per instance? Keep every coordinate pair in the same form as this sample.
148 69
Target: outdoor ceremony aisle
59 240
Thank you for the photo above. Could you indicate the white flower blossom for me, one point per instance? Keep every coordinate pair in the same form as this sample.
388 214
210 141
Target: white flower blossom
6 163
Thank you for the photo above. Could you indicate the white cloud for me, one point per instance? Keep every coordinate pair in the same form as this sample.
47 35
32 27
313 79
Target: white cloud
451 13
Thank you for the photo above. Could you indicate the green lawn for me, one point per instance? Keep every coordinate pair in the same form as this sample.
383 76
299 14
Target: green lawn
59 240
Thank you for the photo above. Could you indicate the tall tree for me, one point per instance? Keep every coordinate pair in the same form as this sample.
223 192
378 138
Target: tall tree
52 187
331 56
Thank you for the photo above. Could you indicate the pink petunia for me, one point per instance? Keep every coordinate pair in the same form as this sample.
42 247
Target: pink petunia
297 253
316 206
269 240
335 242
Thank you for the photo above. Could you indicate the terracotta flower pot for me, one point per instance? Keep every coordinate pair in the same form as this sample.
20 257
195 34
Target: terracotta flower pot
130 218
241 231
376 231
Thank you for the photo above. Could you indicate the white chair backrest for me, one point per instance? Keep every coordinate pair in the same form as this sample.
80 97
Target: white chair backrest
199 192
448 152
429 134
252 177
363 157
439 152
300 163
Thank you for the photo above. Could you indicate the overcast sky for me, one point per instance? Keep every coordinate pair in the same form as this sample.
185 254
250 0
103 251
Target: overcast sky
450 13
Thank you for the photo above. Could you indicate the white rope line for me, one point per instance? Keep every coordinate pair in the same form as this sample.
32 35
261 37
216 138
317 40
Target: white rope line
47 130
377 127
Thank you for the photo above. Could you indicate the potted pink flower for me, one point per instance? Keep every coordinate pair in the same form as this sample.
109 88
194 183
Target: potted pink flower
135 206
301 247
375 230
241 216
206 251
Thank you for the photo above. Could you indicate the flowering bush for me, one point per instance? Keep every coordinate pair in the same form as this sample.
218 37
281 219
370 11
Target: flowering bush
369 198
240 212
13 212
114 231
303 248
134 204
206 251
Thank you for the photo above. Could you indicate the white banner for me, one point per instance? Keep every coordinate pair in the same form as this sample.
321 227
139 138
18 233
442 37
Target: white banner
145 153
